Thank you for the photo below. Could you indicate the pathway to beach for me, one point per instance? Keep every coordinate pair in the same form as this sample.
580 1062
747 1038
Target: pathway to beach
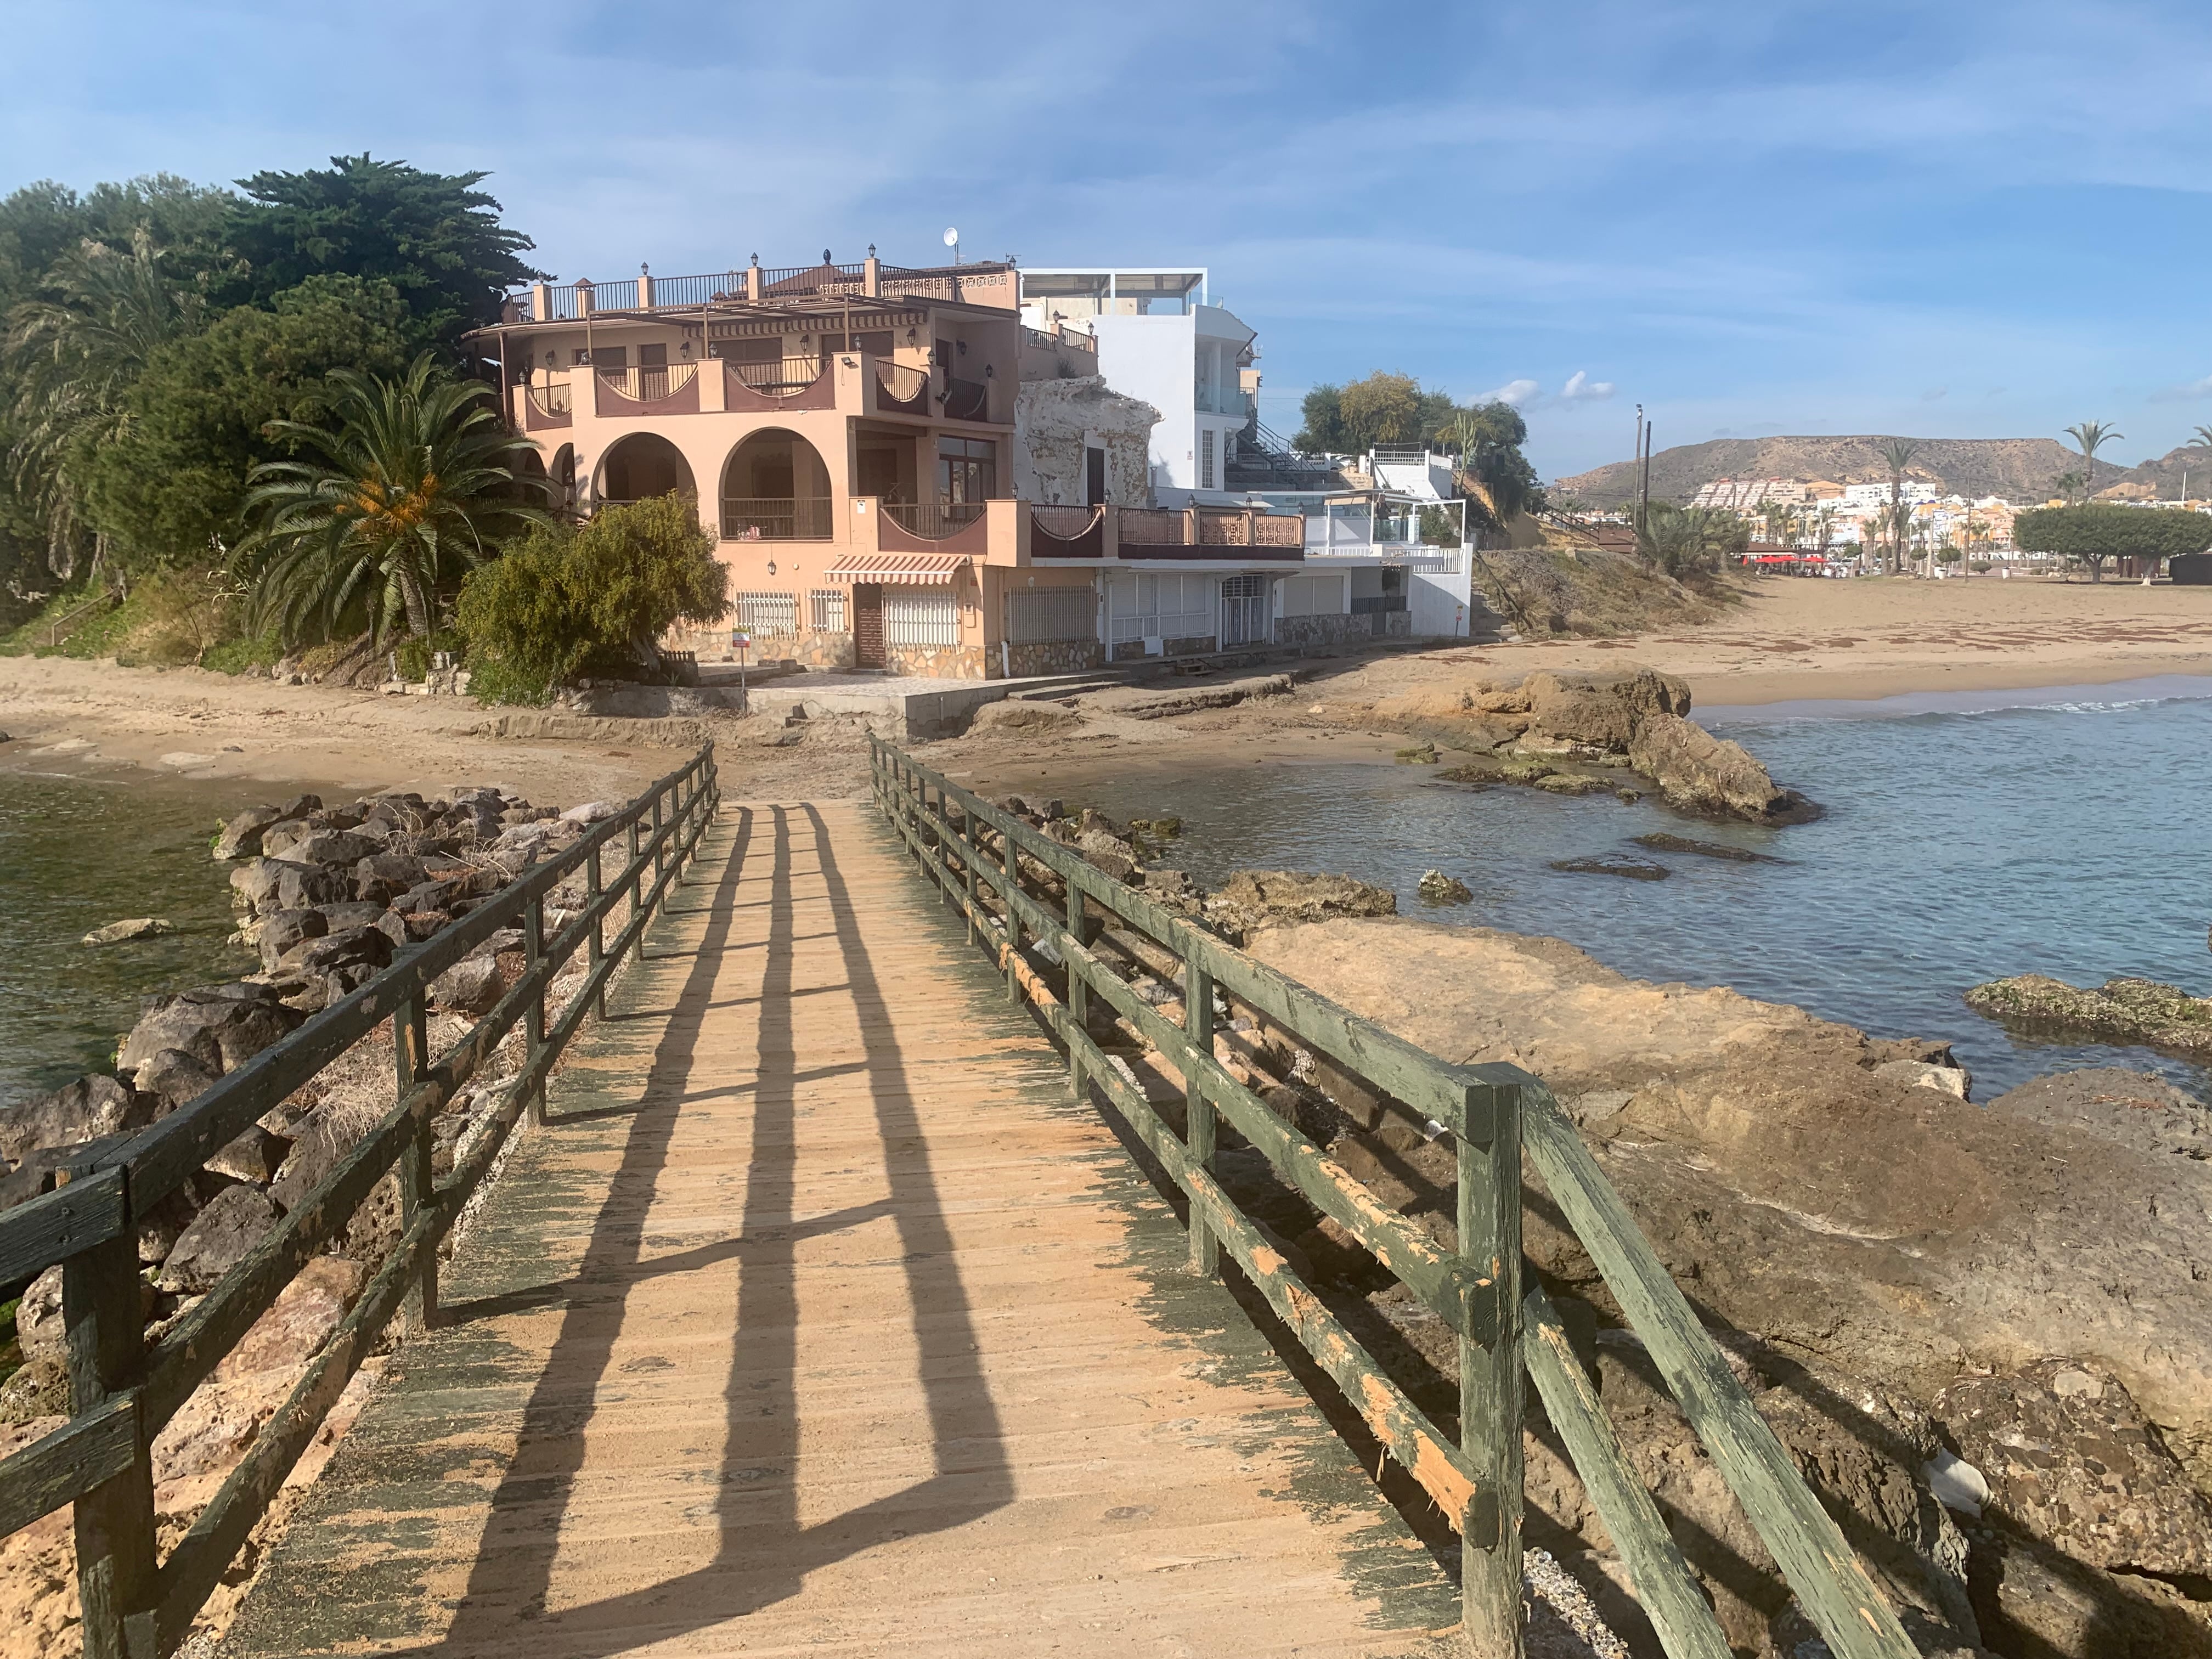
820 1318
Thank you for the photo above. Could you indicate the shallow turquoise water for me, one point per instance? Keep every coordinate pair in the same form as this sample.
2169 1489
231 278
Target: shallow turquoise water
2055 832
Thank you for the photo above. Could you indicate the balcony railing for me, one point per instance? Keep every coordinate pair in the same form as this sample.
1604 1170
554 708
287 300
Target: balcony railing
646 382
770 519
1153 526
901 388
553 399
564 302
781 377
934 520
698 290
966 400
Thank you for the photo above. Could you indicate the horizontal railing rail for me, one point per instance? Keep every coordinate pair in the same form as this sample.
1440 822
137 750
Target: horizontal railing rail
776 519
644 382
1001 875
965 400
122 1393
903 386
780 377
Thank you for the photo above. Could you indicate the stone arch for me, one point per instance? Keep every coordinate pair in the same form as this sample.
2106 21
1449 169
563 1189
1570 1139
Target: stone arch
641 465
563 473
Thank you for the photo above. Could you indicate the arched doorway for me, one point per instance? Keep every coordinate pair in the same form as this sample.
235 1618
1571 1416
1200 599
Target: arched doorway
776 488
564 479
642 466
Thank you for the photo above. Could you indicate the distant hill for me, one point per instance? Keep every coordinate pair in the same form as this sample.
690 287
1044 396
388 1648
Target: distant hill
2018 469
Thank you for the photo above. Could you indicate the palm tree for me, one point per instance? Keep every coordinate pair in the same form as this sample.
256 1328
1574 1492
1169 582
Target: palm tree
1682 540
2090 436
75 356
412 485
1898 454
2066 483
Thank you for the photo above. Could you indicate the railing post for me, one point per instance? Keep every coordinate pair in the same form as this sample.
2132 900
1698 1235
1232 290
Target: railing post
1079 993
418 1189
115 1550
967 867
533 944
1490 1383
659 851
594 890
1198 1111
1013 875
636 884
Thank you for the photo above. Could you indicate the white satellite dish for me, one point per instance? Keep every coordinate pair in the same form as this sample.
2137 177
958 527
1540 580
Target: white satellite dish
951 237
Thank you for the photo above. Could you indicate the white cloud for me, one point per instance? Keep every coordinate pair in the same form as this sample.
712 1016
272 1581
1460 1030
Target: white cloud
2182 394
1580 388
1518 393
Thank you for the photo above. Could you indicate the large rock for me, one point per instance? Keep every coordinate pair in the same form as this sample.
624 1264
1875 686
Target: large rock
220 1237
1600 712
383 876
220 1026
340 847
86 1109
242 837
284 930
1251 900
1880 1226
469 988
2119 1011
301 886
300 1321
1701 773
2133 1108
2068 1460
174 1076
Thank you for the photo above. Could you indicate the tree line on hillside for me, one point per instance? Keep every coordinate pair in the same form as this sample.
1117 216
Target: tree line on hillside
250 408
1387 409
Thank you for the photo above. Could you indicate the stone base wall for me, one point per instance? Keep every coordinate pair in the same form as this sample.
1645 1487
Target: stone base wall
1320 630
1058 657
1201 645
814 648
944 662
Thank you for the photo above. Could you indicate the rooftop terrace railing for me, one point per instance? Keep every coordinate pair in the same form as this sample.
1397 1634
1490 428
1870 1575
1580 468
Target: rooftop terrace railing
136 1603
1056 927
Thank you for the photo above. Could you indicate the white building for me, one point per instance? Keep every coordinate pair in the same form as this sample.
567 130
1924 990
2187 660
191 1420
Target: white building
1160 341
1914 492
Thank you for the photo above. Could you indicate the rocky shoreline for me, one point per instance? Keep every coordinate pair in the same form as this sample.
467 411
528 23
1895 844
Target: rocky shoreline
326 894
1983 1331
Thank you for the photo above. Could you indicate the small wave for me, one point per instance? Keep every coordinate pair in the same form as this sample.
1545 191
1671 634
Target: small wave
1929 707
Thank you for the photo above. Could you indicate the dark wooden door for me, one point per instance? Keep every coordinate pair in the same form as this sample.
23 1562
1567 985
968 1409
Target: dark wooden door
868 625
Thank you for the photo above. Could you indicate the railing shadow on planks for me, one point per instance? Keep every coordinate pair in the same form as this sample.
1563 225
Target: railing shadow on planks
121 1392
999 873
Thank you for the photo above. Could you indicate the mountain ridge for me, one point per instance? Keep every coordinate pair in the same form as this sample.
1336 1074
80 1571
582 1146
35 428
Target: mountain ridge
2020 470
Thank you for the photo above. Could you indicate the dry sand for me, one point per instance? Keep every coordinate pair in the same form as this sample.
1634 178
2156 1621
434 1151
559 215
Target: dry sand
1789 638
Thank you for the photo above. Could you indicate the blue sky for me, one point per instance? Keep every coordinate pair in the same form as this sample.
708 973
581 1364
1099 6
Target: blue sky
1965 220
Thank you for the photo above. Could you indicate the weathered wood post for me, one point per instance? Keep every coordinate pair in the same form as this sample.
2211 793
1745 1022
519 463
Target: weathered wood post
637 879
1489 1386
1079 993
968 865
1198 1111
1014 870
659 853
593 891
115 1552
418 1188
533 1018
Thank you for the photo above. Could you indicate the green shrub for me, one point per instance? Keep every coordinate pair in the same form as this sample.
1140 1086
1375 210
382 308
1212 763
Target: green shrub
237 656
494 681
416 650
563 599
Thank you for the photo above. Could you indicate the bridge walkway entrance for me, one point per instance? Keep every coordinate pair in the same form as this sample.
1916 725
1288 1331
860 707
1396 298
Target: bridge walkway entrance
819 1317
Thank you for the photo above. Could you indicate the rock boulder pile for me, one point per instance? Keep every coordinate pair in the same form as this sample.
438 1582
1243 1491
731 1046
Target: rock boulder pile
1581 733
329 895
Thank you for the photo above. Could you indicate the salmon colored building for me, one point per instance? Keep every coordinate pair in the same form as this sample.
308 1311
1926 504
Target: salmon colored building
848 432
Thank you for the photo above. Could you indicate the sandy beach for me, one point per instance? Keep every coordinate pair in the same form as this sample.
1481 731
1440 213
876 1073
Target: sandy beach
1787 639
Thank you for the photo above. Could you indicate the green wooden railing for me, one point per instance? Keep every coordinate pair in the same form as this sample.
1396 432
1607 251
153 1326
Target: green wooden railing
122 1392
1000 874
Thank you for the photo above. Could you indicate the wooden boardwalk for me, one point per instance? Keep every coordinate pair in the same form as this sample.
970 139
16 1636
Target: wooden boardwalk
822 1319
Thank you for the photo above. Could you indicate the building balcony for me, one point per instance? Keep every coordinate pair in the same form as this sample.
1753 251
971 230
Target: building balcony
847 383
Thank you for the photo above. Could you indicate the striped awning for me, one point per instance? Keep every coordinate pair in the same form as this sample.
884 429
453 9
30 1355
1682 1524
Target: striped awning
896 567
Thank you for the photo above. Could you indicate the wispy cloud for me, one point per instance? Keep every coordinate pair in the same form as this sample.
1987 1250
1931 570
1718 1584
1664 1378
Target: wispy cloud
1581 389
2188 393
1518 393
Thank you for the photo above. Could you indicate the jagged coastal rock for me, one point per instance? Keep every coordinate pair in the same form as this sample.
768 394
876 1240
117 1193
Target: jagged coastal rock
2120 1010
1548 729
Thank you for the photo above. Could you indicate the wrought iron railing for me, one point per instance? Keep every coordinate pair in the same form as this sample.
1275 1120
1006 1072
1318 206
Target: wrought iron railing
934 520
1062 932
902 386
136 1601
1153 526
779 377
1066 523
698 290
772 519
966 400
644 383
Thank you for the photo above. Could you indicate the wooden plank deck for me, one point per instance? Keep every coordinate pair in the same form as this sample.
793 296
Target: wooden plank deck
822 1319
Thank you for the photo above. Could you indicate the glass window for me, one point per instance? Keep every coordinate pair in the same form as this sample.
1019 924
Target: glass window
967 469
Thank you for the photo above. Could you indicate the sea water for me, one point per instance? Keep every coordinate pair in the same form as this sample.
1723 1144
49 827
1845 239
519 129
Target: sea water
77 853
1964 838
